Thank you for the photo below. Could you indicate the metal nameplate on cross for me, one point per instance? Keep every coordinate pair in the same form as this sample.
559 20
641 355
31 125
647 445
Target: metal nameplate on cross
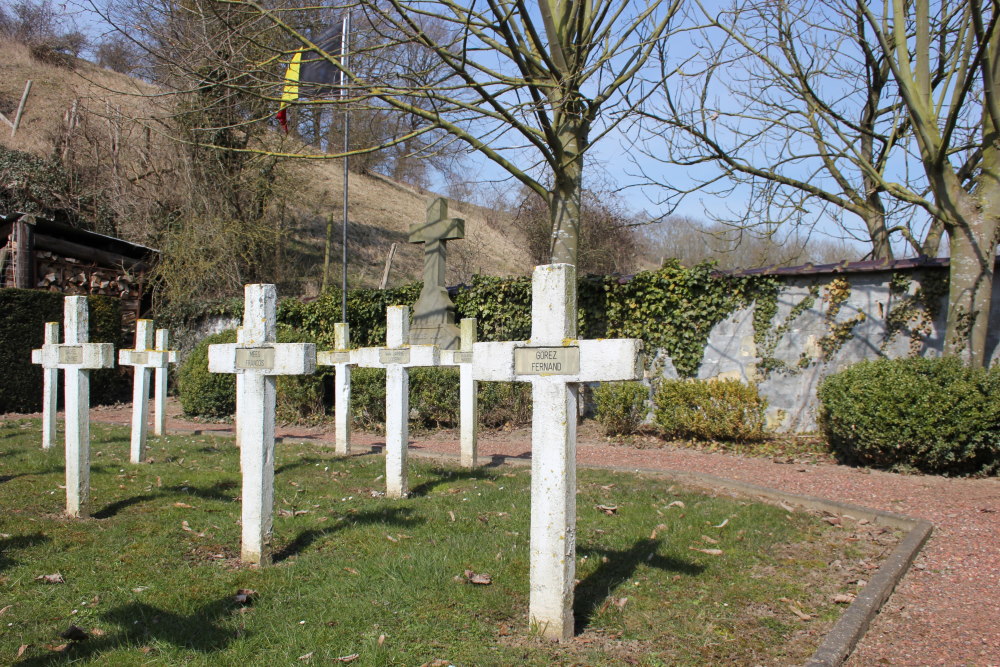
257 359
555 362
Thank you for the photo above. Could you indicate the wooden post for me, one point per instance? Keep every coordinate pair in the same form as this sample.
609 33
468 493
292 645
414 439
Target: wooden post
388 264
24 255
20 109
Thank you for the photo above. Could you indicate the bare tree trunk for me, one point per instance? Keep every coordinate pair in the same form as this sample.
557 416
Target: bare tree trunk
564 206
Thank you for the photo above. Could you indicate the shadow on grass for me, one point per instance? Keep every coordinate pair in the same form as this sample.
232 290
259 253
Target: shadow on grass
8 544
215 492
619 567
445 475
300 463
142 623
398 516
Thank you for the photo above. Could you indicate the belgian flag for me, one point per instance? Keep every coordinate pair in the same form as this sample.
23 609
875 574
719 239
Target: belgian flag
310 74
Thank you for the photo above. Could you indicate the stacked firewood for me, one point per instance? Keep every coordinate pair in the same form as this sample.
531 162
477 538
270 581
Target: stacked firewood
70 276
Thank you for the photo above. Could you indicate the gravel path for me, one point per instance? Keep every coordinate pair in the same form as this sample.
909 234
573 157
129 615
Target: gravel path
946 610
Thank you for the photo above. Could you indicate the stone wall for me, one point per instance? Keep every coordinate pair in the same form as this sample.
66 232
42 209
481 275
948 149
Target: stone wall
826 320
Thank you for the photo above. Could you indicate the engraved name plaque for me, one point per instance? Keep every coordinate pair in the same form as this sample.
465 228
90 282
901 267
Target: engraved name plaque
463 357
255 358
393 356
331 358
546 360
70 354
137 357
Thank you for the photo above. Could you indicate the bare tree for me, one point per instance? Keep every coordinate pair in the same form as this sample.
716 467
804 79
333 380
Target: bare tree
530 86
788 105
948 76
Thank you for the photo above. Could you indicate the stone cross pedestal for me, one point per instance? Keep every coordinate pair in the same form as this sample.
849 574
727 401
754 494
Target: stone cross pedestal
50 385
144 358
340 359
160 381
555 364
434 312
76 357
396 358
468 393
258 359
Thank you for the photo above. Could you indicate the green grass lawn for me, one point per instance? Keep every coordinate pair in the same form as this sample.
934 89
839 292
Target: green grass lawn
152 576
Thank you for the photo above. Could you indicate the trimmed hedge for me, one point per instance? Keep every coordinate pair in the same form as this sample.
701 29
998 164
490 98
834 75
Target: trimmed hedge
213 395
727 410
23 314
621 407
935 415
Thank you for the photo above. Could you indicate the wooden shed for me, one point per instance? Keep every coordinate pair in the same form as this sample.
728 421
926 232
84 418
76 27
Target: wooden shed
40 253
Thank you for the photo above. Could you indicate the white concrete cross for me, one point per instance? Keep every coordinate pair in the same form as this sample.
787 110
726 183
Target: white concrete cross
468 394
259 359
160 382
555 363
76 357
144 359
340 359
50 385
397 358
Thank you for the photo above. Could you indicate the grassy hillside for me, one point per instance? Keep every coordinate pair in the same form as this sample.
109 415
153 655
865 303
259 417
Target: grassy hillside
116 132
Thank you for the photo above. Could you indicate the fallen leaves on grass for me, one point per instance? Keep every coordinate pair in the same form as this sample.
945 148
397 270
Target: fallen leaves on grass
843 598
438 663
183 505
188 529
480 579
245 596
658 528
794 608
348 658
607 509
710 552
5 609
722 525
307 656
22 649
351 570
54 578
677 503
706 538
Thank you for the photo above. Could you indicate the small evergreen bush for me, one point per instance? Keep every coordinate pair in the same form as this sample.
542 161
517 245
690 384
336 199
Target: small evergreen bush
504 404
368 398
934 415
205 394
728 410
621 407
213 395
434 396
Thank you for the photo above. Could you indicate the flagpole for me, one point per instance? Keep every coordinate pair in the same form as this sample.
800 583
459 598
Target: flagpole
344 41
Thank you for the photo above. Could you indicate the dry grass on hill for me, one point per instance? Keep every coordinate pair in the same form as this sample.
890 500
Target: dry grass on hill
380 210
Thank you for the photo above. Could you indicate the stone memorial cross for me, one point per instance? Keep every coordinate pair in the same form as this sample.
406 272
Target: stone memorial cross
555 363
340 359
468 394
50 385
434 312
76 357
396 358
144 358
259 359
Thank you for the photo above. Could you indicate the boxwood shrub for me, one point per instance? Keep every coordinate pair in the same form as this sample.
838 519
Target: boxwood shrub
213 395
621 407
725 410
933 415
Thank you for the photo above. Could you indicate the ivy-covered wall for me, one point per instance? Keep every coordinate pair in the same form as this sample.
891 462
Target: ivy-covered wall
23 314
784 333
